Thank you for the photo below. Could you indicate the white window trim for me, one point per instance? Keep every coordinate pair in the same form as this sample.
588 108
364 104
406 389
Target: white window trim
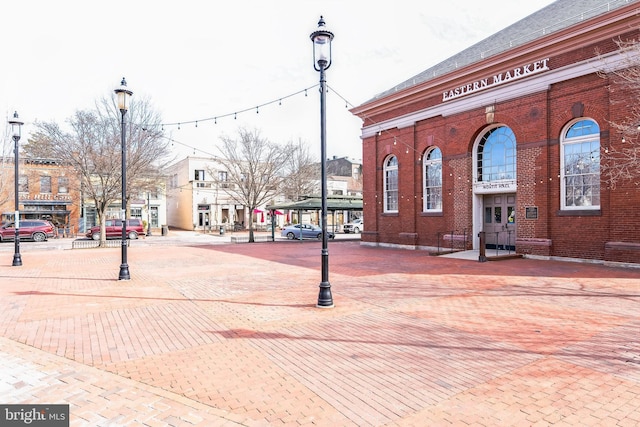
563 143
425 164
386 169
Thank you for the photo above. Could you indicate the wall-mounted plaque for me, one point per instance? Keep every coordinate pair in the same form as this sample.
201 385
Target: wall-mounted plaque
531 212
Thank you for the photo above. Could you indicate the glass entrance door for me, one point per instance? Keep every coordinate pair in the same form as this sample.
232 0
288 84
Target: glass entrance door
500 221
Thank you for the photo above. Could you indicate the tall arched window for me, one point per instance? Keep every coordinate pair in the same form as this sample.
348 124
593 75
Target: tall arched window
391 184
432 181
497 155
580 165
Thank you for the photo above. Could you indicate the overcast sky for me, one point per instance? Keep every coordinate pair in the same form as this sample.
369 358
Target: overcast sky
199 59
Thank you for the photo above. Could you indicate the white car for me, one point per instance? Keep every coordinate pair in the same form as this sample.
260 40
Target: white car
356 226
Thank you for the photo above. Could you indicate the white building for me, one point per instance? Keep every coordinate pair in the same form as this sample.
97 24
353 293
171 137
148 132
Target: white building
198 198
149 206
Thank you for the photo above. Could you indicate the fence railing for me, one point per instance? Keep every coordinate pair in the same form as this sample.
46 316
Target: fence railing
256 238
452 241
88 244
501 241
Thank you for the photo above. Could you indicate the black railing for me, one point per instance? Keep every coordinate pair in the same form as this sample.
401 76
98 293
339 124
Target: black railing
501 241
457 241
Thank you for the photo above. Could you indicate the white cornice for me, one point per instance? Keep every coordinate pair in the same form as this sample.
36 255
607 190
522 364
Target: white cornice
585 33
502 93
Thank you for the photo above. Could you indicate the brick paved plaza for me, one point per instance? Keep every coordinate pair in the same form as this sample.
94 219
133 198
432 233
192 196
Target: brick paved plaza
229 335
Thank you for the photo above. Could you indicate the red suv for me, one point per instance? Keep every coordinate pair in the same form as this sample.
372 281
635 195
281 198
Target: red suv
30 229
113 229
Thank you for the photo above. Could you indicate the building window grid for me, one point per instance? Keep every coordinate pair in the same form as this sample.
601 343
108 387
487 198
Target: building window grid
23 184
45 184
497 155
63 185
580 168
433 181
391 184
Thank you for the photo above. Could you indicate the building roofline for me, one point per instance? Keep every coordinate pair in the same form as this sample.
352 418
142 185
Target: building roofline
431 81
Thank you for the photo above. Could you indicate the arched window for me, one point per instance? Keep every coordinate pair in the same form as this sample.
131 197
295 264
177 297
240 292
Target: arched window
391 184
497 155
580 165
432 182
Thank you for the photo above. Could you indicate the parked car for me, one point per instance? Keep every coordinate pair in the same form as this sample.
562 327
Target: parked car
309 231
355 226
37 230
113 229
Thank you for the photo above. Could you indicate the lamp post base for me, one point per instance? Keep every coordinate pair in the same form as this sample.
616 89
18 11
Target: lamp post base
325 299
17 260
124 272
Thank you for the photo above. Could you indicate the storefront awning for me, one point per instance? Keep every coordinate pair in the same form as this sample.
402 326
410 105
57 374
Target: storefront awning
344 203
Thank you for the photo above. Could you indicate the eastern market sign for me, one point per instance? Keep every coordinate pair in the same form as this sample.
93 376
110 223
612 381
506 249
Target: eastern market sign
498 79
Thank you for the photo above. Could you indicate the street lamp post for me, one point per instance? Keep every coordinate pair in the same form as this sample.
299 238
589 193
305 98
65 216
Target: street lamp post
16 130
148 213
123 95
321 39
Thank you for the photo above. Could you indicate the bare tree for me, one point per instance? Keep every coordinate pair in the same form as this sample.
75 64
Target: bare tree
302 172
254 168
92 148
621 160
7 166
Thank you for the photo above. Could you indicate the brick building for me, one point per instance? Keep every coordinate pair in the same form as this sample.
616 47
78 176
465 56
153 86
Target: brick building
507 138
47 189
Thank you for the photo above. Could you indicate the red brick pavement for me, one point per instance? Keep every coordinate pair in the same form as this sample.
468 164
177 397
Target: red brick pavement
218 335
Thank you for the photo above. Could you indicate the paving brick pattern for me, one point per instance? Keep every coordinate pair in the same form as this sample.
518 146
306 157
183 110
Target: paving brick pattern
223 335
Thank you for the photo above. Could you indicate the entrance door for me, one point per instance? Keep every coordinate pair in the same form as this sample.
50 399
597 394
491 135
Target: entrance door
500 221
154 216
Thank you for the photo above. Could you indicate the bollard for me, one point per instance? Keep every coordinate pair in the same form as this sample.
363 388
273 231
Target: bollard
483 255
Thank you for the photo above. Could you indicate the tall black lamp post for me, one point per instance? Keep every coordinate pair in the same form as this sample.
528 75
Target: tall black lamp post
148 214
321 39
16 130
123 95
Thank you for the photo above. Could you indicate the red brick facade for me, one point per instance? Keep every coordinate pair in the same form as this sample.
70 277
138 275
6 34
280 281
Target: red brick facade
59 202
537 108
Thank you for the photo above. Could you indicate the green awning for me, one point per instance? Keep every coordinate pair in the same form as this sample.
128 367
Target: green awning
315 203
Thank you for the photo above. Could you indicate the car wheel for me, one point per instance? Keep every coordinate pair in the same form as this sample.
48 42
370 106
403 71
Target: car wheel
39 237
319 236
133 235
356 230
95 236
290 236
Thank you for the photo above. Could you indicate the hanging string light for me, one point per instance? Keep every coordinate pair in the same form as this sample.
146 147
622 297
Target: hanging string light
235 113
408 146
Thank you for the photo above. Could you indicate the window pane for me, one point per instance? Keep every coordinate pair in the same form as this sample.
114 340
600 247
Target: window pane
497 155
391 184
23 184
511 215
63 184
45 184
581 171
433 180
582 128
487 215
498 214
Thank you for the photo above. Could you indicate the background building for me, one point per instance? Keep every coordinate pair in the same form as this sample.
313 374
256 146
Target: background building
47 190
197 198
507 138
